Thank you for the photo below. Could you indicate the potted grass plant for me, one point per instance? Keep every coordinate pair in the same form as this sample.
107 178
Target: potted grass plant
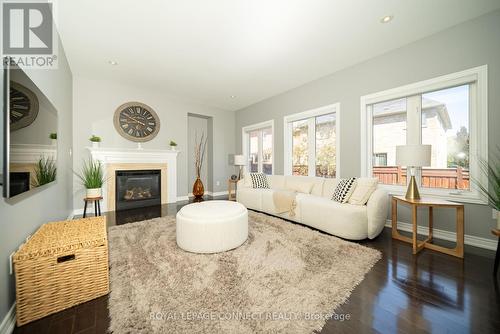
173 145
45 172
491 190
92 177
95 140
53 138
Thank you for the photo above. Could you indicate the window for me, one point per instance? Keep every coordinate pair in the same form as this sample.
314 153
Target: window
258 143
311 142
448 113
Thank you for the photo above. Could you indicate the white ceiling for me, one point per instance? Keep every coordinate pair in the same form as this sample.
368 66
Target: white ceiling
252 49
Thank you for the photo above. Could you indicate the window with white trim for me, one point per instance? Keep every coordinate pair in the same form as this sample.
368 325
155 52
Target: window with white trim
449 113
258 143
311 142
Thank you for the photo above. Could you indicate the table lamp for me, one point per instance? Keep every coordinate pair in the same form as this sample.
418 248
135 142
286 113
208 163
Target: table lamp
413 156
239 160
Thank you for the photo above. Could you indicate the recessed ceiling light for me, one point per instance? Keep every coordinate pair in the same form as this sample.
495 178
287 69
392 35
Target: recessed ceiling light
233 96
112 62
386 19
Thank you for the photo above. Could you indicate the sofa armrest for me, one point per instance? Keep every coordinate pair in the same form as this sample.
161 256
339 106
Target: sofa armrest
241 184
377 208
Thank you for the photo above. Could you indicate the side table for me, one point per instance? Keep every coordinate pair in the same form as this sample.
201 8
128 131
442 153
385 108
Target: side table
97 205
231 189
496 232
431 203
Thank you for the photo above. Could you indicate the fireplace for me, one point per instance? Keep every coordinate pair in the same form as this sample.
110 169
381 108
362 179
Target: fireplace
137 188
19 182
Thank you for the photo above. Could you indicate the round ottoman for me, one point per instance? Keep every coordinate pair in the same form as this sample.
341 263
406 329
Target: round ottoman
212 226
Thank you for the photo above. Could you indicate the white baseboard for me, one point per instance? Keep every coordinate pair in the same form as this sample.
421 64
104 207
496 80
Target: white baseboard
182 198
447 235
9 321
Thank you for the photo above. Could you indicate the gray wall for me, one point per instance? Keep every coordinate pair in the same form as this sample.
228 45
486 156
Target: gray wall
470 44
23 215
95 102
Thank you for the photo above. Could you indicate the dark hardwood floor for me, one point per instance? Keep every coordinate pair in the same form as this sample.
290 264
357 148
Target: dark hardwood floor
428 293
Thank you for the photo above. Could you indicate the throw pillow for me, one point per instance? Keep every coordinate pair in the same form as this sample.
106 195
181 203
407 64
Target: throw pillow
344 190
365 186
259 181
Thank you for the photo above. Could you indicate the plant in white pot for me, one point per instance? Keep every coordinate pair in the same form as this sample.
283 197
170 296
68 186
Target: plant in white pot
92 177
173 145
491 190
53 138
95 140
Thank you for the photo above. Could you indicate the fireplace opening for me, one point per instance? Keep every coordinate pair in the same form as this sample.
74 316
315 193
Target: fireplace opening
137 188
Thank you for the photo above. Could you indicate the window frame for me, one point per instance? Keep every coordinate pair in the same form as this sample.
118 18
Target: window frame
245 136
310 115
477 78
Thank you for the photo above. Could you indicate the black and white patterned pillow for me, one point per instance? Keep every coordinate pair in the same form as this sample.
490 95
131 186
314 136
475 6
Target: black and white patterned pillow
259 181
344 190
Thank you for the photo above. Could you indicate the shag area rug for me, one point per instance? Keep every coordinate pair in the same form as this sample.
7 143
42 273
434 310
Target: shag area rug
285 278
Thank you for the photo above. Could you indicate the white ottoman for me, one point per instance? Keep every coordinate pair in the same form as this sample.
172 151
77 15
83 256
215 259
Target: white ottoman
212 226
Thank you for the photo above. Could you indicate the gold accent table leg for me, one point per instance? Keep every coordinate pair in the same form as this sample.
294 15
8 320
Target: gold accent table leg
460 232
431 222
394 218
414 222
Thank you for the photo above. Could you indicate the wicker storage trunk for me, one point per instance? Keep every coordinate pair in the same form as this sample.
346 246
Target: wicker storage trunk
63 264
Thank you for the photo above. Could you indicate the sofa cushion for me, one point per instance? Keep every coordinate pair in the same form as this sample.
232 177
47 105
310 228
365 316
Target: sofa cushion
259 181
365 186
295 182
329 187
344 190
344 220
276 181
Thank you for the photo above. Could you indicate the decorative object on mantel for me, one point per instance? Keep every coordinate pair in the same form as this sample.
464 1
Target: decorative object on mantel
173 145
95 141
490 170
136 121
200 148
92 178
53 138
413 156
239 160
44 172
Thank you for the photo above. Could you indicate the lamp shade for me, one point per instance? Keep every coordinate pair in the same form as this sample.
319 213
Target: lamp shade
239 160
413 155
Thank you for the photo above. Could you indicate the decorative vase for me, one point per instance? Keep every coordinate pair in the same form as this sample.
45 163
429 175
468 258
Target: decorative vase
198 189
94 192
95 144
53 142
173 147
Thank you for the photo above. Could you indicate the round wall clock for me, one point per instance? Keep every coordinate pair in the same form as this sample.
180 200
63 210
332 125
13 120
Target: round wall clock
136 121
23 105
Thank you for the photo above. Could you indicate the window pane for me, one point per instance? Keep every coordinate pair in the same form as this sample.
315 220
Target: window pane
389 130
267 151
254 151
325 146
300 156
445 126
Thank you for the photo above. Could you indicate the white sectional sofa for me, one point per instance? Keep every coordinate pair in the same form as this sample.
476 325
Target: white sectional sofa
317 209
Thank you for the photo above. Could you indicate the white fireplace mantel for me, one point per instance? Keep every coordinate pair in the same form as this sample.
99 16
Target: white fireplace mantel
123 156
